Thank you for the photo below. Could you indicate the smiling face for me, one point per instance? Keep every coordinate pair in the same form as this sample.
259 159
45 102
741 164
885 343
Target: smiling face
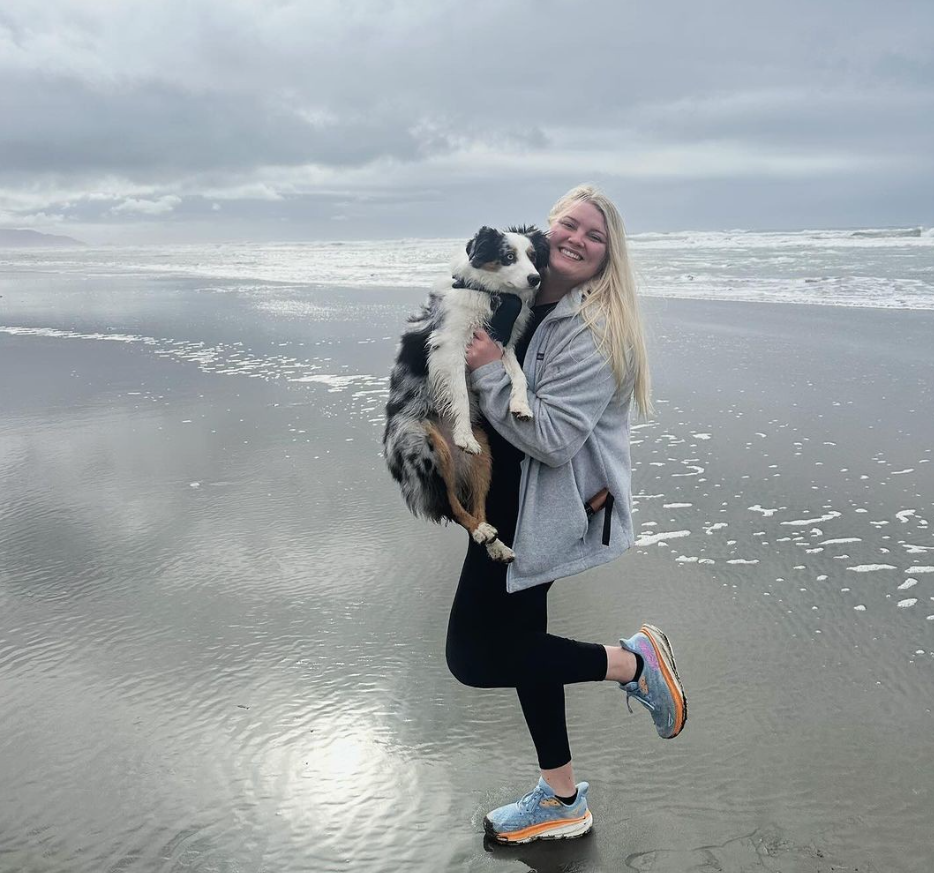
578 241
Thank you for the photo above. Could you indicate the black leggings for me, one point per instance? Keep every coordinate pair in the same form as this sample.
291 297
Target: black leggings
500 640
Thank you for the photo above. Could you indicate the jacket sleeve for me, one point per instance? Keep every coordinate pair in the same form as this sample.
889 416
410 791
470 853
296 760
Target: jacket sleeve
571 395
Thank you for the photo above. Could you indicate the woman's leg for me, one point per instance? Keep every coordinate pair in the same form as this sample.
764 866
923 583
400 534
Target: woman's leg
498 640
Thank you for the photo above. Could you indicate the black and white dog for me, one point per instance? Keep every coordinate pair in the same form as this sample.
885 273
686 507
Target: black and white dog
433 446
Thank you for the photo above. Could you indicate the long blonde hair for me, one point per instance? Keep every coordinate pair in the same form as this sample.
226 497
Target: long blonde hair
611 308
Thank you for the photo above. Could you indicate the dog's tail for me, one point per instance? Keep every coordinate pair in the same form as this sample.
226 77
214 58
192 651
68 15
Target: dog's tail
413 463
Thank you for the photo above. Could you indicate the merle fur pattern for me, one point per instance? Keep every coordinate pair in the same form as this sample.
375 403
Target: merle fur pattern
428 383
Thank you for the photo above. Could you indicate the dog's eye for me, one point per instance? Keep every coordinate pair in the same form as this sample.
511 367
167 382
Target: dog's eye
509 259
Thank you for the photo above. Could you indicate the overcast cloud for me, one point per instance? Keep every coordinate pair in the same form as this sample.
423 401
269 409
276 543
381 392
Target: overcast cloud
174 120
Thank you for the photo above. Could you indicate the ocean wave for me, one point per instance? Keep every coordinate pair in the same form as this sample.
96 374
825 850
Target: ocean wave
890 233
877 267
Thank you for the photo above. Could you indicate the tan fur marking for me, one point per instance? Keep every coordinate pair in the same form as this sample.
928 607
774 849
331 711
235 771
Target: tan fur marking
491 266
478 476
480 472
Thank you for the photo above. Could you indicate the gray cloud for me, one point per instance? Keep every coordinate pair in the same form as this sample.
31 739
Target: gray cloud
377 118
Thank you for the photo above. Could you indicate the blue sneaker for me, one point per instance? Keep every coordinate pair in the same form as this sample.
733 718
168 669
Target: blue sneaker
540 816
659 687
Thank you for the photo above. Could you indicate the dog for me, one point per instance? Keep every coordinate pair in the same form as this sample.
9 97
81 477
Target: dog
432 443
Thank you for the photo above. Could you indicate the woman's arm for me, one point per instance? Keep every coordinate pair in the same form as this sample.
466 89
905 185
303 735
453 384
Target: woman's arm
572 393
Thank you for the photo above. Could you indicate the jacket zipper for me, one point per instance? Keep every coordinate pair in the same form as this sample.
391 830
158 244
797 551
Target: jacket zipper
532 379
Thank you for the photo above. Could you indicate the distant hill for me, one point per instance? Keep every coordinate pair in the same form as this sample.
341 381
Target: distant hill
17 239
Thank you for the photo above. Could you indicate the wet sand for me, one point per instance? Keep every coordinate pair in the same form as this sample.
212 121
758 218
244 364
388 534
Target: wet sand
222 637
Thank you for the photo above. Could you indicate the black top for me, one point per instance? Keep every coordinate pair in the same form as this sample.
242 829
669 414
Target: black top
502 502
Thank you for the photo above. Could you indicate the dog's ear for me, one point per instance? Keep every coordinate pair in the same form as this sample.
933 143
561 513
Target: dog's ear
484 247
542 249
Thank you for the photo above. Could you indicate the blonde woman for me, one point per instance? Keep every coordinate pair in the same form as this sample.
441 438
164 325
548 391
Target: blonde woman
584 357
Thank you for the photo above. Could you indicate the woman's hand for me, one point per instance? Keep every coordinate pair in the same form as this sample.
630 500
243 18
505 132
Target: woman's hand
482 350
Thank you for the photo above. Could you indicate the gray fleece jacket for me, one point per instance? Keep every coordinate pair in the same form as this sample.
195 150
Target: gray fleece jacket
576 444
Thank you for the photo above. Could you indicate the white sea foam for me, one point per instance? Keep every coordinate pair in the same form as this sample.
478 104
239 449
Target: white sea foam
695 469
799 522
226 359
920 570
907 603
908 583
655 538
870 568
55 333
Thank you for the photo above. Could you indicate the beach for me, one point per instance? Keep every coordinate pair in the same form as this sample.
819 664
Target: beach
222 635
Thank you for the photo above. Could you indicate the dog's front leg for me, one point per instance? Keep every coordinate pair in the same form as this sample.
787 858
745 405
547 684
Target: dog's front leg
460 412
448 375
519 396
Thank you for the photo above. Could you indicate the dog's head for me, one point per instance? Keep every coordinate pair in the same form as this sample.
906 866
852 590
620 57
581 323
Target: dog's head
510 260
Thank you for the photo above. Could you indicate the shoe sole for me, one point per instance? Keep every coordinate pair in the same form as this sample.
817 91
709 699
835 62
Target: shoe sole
666 660
566 830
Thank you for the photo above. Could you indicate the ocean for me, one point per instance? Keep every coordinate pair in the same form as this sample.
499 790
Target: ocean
885 268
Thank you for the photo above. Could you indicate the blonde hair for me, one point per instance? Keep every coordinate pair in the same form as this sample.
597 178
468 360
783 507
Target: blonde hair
611 308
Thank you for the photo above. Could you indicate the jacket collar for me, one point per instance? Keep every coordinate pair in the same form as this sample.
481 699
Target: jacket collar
570 303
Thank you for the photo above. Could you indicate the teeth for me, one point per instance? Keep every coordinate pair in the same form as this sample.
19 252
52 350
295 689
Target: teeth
568 253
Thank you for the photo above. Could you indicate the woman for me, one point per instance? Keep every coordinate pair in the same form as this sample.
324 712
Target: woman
584 357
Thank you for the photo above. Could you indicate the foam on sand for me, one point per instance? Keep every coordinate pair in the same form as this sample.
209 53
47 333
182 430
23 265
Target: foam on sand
653 539
800 522
870 568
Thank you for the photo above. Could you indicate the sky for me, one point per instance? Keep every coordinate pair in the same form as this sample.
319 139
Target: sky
167 121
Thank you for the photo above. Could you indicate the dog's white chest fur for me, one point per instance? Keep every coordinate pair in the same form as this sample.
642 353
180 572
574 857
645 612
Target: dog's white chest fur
465 311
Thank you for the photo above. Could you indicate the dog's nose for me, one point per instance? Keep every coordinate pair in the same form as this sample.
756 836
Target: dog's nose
534 279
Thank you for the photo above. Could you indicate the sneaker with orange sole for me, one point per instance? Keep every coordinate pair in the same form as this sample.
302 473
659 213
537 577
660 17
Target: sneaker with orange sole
659 688
539 815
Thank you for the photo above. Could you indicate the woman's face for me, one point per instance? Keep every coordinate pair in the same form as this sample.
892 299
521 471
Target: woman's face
578 241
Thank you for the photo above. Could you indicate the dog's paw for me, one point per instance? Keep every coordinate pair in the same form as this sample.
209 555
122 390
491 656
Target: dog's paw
468 444
484 533
523 413
499 551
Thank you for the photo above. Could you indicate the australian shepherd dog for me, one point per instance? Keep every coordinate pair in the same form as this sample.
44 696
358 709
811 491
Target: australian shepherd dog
433 445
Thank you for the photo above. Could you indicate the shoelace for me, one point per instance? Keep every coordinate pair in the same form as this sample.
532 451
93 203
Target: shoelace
531 800
641 700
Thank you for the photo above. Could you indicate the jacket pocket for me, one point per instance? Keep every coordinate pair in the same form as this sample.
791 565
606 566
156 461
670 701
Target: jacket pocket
580 520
